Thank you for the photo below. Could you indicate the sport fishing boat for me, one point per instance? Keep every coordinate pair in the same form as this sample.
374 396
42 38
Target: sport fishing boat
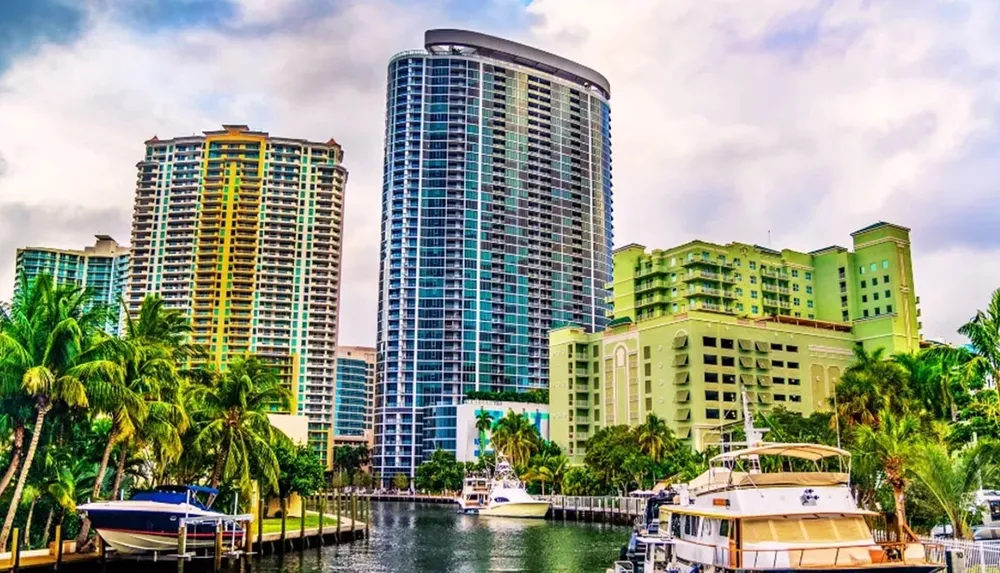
149 522
503 496
773 507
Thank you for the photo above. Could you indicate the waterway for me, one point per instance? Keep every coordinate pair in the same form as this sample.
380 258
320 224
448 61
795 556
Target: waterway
427 538
424 538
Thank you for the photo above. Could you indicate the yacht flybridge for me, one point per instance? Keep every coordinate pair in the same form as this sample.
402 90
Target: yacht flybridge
771 507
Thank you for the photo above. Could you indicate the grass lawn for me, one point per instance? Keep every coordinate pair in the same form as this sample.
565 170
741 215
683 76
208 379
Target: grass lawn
273 524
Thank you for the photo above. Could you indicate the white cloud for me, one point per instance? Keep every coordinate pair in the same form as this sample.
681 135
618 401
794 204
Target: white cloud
810 120
730 118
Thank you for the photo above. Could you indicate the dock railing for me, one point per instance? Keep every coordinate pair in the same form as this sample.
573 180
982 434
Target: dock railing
970 556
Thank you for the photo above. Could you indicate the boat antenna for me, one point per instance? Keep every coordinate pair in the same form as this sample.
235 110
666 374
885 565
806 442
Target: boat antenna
755 436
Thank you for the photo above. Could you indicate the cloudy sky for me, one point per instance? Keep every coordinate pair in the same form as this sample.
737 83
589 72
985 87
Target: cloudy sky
808 118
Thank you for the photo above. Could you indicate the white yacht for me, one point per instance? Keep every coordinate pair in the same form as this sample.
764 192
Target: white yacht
501 496
773 507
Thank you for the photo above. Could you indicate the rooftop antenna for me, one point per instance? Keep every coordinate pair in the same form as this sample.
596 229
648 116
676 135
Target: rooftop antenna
755 436
769 238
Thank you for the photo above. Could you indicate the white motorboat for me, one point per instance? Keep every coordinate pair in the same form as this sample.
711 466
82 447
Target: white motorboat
150 520
503 495
746 514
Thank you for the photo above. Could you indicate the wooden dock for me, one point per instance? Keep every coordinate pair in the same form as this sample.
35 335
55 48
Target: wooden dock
602 509
352 515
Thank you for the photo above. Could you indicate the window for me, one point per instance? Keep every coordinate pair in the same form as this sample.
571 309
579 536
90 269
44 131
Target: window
795 274
729 379
708 341
795 398
885 264
776 347
864 284
711 377
798 314
594 353
736 262
812 316
739 291
844 316
753 294
646 352
712 395
648 369
753 265
739 306
809 289
864 298
888 294
779 397
795 301
729 396
726 343
885 279
753 279
710 359
795 287
861 269
865 313
877 311
793 364
712 413
649 386
875 296
753 309
729 361
888 309
809 276
778 363
778 380
649 404
730 414
809 304
724 528
794 382
873 267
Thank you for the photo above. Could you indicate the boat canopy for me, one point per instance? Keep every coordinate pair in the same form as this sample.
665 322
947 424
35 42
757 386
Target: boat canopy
175 494
810 452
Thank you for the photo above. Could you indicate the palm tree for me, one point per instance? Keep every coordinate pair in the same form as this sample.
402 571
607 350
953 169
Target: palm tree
655 437
891 443
515 437
868 386
983 332
29 497
234 410
148 406
47 353
545 468
484 421
953 479
16 445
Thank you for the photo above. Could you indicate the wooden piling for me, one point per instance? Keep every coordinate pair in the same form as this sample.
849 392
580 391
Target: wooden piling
102 550
182 541
322 516
368 515
302 523
260 523
59 548
339 520
218 545
15 550
354 512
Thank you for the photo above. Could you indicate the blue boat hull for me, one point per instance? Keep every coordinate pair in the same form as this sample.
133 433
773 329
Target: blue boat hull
151 531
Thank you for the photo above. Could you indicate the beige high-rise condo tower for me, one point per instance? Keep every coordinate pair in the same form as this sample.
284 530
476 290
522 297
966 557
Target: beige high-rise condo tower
243 231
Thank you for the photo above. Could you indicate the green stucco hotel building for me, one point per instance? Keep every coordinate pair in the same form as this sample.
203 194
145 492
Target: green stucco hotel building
692 326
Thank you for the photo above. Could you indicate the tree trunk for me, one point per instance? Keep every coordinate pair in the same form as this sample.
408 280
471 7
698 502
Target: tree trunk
27 524
217 474
95 493
15 458
48 527
900 496
120 471
284 517
15 500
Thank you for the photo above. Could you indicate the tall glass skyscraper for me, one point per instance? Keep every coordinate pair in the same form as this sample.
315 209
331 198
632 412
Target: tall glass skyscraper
496 227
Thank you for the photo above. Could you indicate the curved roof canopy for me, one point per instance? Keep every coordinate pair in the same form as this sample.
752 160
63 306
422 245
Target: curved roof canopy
444 40
811 452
